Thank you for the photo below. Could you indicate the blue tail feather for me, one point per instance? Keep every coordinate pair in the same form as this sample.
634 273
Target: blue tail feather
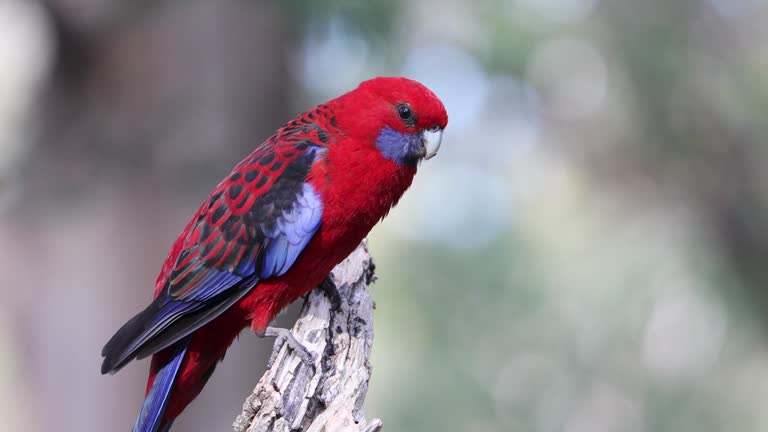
151 415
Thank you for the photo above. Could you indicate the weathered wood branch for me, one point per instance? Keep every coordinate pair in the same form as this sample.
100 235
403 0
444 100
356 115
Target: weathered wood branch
290 397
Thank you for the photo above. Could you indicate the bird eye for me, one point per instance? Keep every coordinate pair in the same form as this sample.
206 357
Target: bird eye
404 112
434 128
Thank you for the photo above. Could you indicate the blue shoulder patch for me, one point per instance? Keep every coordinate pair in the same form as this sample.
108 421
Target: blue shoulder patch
291 233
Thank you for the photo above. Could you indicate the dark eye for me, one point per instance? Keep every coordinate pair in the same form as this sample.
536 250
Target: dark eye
404 112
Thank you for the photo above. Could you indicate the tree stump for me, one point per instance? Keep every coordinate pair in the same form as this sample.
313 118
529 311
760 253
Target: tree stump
290 396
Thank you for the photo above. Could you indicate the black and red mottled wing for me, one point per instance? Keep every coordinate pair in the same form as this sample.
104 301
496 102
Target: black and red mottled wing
253 226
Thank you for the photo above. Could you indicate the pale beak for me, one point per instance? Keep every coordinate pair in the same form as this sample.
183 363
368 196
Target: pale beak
432 139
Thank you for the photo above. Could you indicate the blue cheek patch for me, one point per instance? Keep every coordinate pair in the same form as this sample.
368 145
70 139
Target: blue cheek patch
400 147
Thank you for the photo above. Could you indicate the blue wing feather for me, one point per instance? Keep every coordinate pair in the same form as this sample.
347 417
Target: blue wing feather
235 241
290 235
292 232
213 283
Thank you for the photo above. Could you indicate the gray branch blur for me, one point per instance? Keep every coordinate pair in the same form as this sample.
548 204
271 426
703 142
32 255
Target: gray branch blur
289 396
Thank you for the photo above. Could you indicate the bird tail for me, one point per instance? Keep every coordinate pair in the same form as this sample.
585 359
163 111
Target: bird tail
153 410
121 348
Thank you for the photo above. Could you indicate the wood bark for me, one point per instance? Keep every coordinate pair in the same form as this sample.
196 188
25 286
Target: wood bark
291 396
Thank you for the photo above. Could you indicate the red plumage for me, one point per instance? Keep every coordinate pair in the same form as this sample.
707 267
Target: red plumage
240 227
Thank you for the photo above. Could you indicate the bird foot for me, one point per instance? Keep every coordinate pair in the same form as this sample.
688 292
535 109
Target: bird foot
331 291
284 336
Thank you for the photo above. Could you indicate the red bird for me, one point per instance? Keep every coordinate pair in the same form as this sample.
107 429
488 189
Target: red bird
272 230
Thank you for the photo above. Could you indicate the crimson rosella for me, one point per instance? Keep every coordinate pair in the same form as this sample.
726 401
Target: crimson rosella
272 230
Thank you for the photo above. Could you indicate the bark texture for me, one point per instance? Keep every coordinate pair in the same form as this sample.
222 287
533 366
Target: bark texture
291 396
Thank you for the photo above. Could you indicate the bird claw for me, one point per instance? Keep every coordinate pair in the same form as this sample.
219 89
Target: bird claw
285 337
331 291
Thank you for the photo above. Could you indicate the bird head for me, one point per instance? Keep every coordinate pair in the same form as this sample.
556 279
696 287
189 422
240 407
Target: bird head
399 117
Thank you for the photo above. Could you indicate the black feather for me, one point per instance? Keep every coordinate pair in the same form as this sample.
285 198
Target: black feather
114 351
117 351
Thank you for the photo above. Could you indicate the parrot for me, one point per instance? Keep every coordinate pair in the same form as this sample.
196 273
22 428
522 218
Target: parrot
271 231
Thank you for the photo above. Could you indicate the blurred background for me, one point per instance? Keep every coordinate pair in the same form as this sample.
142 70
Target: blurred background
587 253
